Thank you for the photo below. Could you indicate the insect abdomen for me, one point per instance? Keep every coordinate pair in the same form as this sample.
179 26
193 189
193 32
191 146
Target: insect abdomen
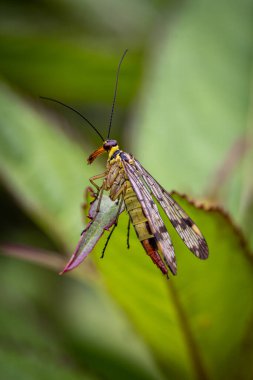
136 214
150 247
141 226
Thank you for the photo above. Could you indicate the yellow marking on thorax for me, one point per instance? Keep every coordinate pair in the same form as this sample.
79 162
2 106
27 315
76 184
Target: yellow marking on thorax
113 150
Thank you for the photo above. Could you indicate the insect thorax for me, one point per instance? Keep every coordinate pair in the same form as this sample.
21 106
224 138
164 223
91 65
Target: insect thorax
115 178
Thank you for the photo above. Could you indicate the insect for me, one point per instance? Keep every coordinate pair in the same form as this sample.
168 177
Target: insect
132 186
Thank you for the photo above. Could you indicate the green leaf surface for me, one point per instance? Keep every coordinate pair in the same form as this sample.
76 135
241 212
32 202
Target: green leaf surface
186 318
37 163
197 323
91 73
54 327
25 352
196 101
101 220
111 20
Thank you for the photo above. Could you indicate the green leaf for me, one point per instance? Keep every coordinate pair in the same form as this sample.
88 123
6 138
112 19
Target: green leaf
45 171
185 318
53 327
25 352
196 324
195 103
50 58
100 221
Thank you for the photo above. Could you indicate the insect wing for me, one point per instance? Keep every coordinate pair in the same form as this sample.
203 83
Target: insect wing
152 214
185 227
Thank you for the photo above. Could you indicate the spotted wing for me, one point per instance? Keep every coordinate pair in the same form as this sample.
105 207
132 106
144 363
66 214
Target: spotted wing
185 227
151 212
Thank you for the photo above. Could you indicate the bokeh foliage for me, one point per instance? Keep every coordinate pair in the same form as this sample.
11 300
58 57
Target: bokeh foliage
184 110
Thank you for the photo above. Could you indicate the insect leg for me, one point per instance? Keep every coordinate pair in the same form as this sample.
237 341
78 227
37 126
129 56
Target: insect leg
107 240
128 233
95 177
100 194
115 225
121 191
119 208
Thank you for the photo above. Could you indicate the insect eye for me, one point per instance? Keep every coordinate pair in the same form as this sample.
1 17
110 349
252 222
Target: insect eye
109 144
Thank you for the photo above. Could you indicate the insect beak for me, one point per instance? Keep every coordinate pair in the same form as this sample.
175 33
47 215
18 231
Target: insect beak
95 154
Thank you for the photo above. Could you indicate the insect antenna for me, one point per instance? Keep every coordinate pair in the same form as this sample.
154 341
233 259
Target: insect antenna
115 93
77 112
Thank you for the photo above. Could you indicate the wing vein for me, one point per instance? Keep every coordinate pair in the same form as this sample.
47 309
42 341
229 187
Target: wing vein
183 224
151 212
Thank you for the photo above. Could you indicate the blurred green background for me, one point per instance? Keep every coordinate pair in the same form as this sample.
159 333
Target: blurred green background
184 108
